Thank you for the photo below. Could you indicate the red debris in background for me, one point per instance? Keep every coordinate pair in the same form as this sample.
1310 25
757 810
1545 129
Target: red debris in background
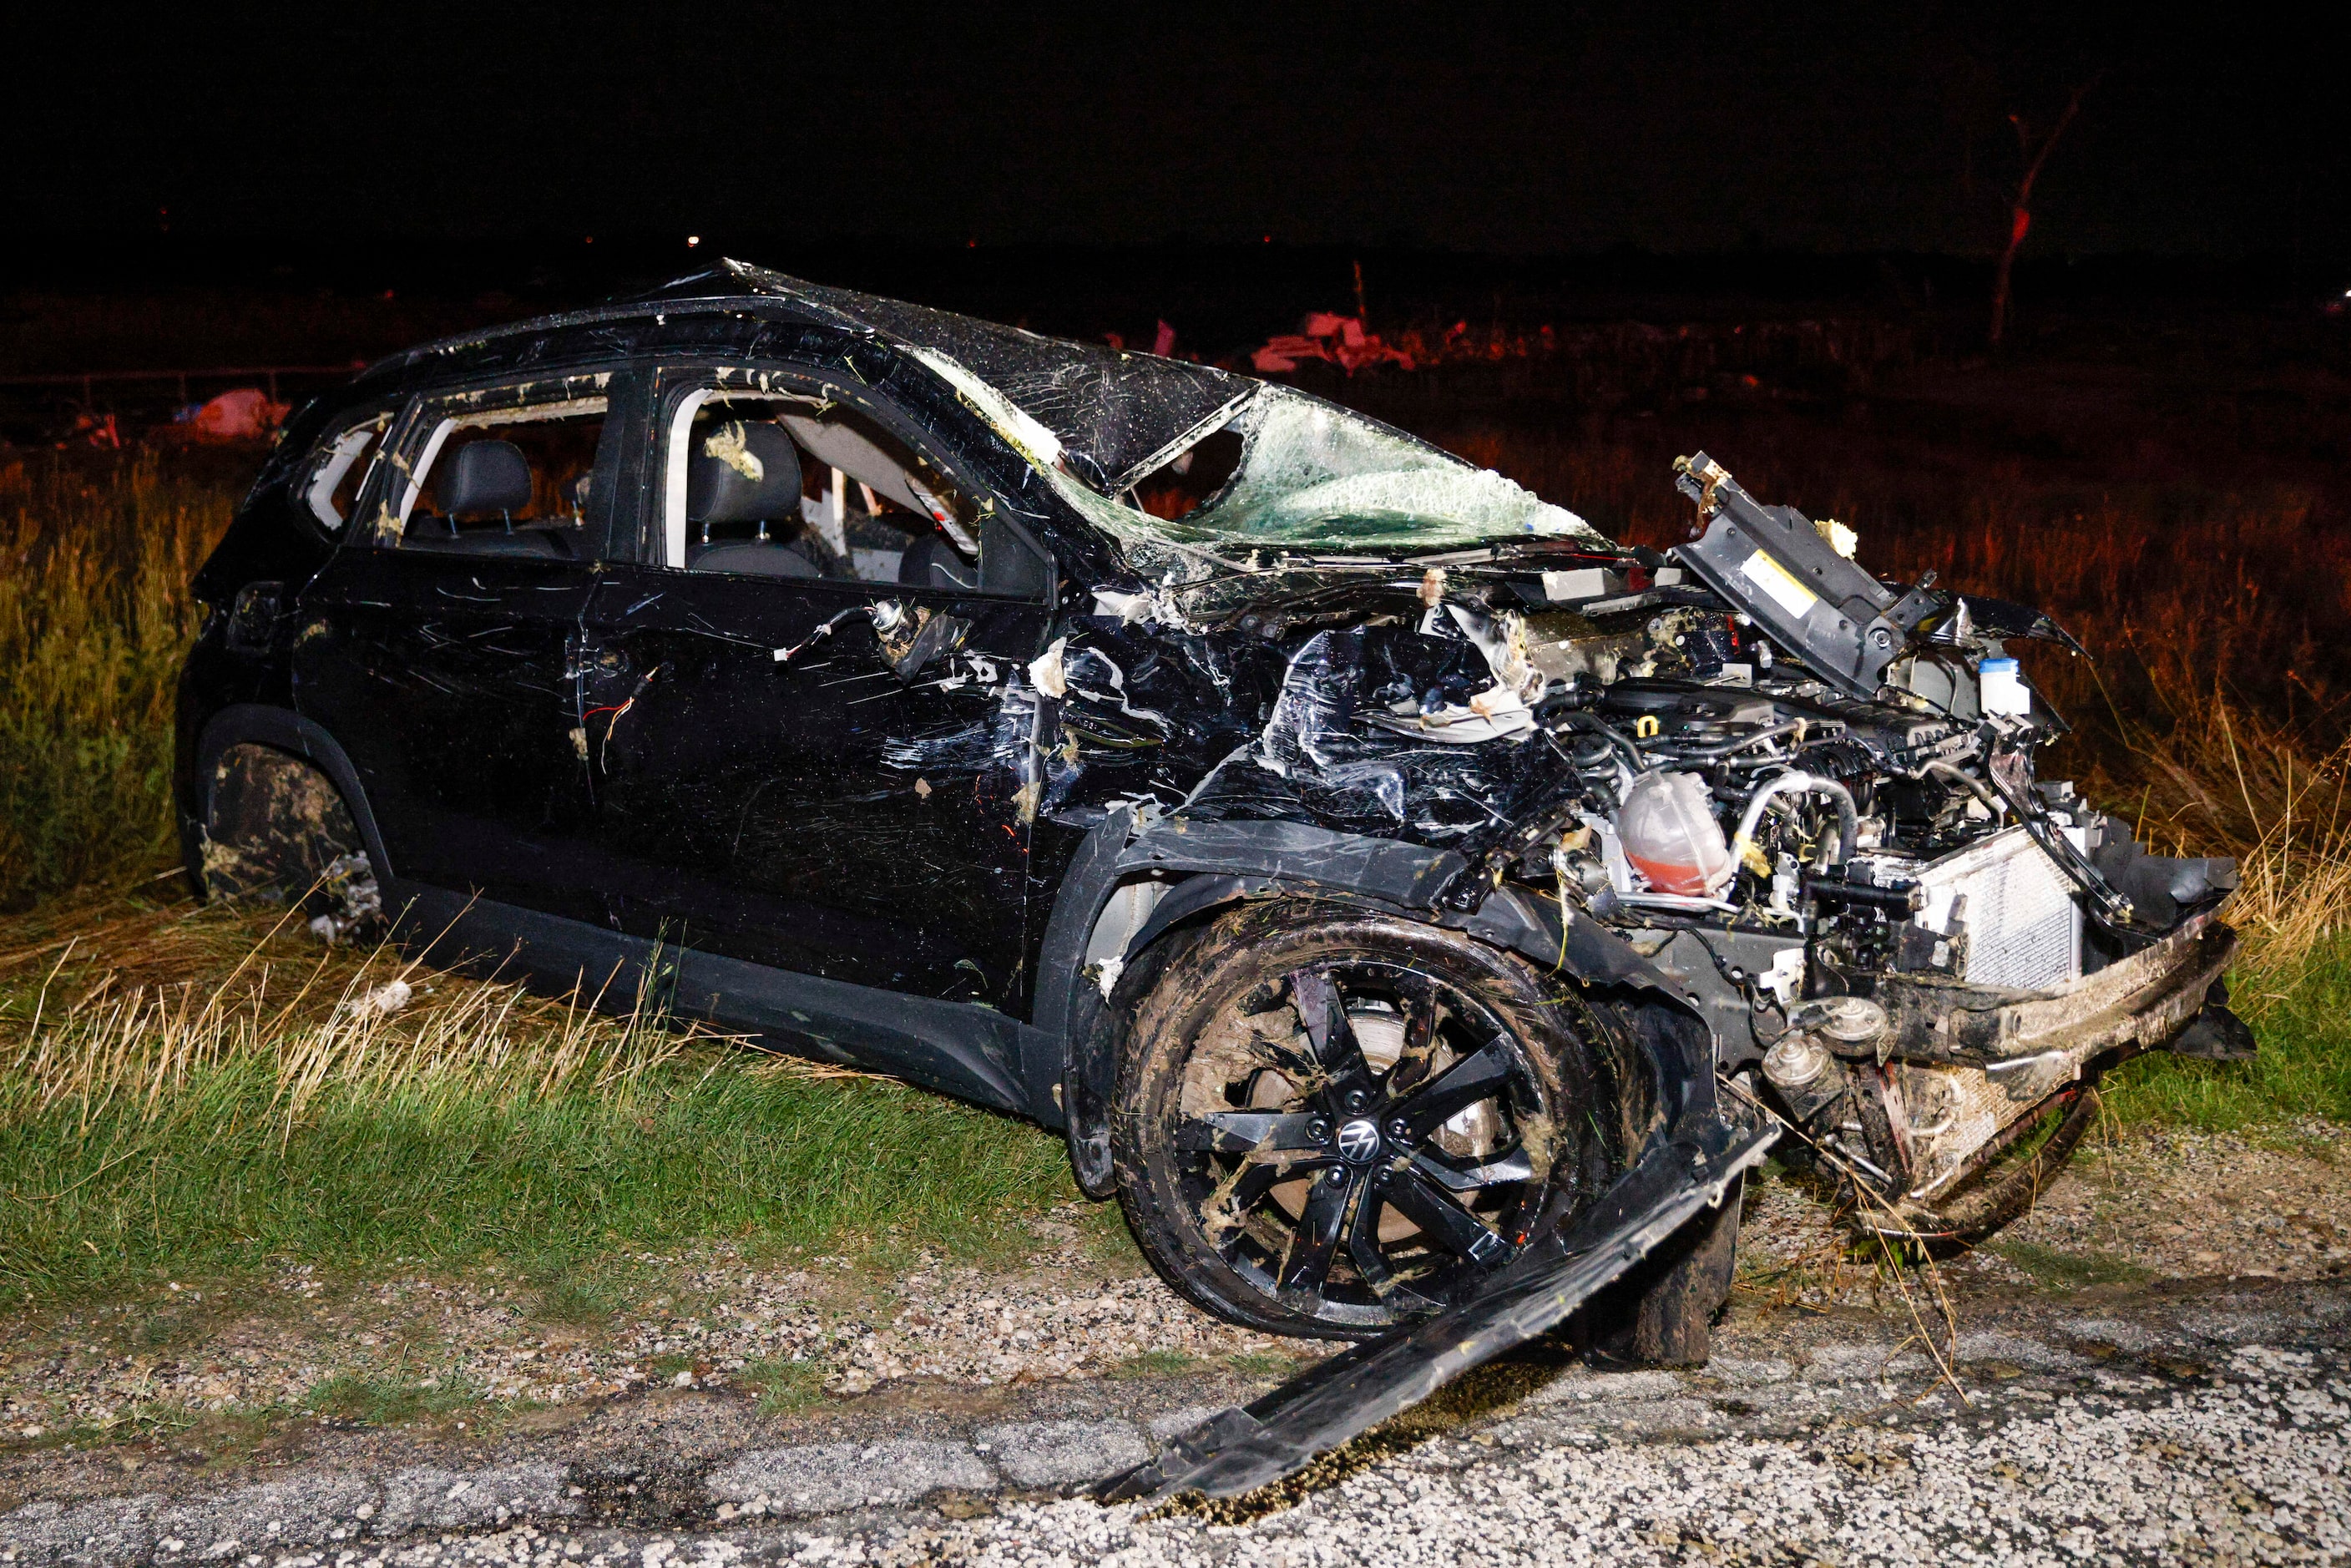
1338 339
246 413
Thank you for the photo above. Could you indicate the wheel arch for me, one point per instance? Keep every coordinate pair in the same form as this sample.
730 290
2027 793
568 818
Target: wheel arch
1206 866
284 730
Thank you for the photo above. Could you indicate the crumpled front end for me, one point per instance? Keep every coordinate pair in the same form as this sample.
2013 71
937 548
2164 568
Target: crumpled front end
1750 783
1776 781
1965 1066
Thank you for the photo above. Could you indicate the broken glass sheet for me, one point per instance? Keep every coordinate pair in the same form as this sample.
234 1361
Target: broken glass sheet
1316 477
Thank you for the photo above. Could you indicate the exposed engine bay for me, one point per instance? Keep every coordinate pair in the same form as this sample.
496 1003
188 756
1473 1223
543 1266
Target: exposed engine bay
1816 846
1854 836
1808 796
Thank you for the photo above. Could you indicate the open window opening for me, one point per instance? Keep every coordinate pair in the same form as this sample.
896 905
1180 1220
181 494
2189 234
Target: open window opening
514 481
1193 478
770 485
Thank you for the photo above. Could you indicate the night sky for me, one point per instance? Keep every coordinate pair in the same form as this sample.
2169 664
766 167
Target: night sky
1693 127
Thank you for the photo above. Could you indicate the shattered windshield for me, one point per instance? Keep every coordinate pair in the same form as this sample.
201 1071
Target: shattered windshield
1311 478
1312 475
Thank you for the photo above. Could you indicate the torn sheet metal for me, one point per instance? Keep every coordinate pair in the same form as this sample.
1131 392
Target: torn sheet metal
1114 414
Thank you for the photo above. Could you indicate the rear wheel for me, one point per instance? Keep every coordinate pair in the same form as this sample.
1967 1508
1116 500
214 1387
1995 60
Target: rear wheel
1331 1122
277 831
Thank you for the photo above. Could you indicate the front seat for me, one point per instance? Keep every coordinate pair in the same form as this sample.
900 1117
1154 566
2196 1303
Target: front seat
756 482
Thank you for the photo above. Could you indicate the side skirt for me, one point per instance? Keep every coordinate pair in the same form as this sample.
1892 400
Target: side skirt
954 1048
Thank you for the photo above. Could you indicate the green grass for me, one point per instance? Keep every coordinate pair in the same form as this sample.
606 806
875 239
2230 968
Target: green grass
381 1399
2303 1026
699 1149
577 1291
2068 1270
784 1386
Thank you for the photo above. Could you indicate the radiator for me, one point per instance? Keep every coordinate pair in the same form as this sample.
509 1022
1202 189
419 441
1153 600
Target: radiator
2024 926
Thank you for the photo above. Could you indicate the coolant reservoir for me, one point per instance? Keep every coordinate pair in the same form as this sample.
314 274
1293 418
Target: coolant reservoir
2002 688
1671 836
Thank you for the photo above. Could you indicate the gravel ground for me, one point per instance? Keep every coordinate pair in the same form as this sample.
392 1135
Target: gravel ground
2209 1426
2111 1393
2177 1205
1062 1314
2153 1204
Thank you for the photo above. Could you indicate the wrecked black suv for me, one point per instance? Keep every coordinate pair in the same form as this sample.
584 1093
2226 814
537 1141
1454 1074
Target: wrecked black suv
1417 908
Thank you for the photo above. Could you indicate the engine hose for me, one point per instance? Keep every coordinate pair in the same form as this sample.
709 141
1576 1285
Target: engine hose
1792 783
1713 750
1612 734
1976 787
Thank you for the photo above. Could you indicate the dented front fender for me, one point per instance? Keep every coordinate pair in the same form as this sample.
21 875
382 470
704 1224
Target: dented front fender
1204 865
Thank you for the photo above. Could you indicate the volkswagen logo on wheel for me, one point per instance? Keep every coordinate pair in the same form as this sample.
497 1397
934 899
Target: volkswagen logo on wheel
1359 1141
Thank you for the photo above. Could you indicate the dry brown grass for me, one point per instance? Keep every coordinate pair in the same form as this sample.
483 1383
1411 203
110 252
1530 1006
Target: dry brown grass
95 614
130 1014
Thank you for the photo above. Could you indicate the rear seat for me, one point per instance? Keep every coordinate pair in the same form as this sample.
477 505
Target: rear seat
432 534
483 480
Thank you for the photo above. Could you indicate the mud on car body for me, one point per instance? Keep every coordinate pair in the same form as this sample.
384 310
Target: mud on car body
1417 909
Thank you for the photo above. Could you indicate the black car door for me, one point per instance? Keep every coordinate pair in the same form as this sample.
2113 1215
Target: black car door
439 644
809 723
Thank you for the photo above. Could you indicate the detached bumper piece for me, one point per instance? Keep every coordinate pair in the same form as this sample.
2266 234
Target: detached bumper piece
1242 1448
2217 1034
1968 1066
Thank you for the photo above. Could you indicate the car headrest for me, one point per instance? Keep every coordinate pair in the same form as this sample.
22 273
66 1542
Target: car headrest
743 473
485 476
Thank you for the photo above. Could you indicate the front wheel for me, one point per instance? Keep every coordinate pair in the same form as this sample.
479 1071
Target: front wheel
1331 1122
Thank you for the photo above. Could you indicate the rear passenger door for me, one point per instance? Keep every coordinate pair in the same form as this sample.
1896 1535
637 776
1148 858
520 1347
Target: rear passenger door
439 645
809 726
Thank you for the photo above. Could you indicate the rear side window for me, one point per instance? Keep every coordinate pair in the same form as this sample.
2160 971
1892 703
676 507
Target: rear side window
338 469
511 481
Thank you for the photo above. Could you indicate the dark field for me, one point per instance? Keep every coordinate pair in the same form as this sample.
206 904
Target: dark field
189 1092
